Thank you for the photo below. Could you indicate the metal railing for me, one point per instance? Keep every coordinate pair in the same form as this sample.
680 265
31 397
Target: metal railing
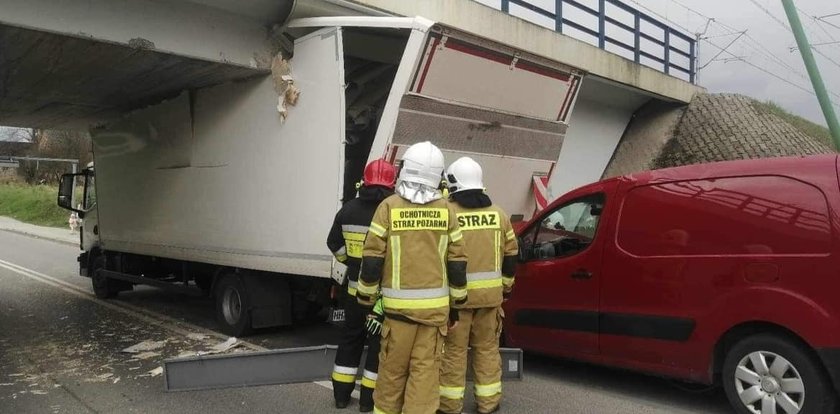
658 33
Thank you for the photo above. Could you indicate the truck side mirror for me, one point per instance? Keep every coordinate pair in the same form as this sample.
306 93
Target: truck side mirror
66 192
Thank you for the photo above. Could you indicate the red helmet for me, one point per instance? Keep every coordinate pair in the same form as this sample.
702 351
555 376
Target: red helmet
380 172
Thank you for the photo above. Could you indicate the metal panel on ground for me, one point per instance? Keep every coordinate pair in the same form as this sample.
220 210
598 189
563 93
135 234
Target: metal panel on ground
282 366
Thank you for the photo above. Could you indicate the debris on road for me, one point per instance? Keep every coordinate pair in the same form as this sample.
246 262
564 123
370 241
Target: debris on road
145 355
144 346
197 336
224 346
155 372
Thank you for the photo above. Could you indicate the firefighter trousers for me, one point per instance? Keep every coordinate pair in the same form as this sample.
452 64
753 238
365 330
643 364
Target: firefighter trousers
409 368
351 344
477 328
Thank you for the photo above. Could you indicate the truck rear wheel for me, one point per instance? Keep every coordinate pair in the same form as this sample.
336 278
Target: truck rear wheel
103 287
768 373
233 306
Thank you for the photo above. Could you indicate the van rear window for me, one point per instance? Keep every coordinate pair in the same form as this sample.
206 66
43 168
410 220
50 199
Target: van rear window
760 215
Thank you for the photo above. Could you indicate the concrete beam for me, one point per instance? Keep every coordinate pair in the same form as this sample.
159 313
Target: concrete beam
179 27
484 21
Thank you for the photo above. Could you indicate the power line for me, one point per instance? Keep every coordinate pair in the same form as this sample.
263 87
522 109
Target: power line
769 13
722 50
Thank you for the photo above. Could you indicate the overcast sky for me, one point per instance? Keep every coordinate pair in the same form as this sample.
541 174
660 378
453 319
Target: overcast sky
768 45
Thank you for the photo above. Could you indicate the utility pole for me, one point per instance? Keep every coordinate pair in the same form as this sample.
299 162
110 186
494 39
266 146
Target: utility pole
813 71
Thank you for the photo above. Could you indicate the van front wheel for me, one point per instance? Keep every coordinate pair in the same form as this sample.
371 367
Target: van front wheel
767 373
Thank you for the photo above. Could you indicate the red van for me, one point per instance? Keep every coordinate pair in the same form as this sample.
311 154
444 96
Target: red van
720 273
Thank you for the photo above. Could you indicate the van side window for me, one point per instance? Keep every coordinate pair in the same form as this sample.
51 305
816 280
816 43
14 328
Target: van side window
566 231
757 215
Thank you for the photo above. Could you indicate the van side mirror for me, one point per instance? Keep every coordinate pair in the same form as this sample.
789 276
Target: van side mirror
67 192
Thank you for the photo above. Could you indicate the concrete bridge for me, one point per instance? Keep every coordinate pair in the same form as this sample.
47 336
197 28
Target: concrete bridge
75 63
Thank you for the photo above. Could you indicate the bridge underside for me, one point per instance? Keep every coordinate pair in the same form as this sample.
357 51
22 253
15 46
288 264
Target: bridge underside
54 80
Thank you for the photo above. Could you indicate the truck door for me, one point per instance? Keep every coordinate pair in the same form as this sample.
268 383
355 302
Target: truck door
554 308
472 96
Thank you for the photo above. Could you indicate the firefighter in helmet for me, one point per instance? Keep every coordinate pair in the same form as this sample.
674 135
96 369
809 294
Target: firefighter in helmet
491 245
414 258
346 241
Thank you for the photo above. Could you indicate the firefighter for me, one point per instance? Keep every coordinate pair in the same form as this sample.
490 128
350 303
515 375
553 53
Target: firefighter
414 257
491 245
346 241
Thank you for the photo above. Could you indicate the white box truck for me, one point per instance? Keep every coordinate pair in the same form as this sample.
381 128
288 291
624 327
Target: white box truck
213 191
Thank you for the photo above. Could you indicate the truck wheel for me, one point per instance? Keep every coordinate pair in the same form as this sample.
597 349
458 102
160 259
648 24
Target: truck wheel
103 287
767 373
233 306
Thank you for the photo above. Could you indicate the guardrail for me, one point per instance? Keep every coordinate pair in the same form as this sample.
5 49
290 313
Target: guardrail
668 42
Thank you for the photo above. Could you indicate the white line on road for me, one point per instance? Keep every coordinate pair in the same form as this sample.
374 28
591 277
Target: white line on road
154 318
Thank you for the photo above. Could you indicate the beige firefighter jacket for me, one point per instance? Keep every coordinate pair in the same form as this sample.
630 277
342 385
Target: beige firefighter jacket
414 257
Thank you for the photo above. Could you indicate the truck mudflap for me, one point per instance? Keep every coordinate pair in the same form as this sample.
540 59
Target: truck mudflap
281 366
83 264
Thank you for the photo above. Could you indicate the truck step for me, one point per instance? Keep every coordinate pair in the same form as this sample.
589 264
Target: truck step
280 366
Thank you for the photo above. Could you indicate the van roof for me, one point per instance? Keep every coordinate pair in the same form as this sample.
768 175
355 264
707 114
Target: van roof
799 166
789 166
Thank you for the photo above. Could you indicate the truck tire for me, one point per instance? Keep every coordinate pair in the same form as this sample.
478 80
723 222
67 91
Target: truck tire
774 370
103 287
233 306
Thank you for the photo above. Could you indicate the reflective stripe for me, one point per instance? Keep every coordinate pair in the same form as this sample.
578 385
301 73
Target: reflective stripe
457 293
367 290
376 410
369 379
415 293
352 287
497 246
507 280
341 258
484 284
488 390
442 245
510 235
370 375
347 379
345 370
456 236
341 251
453 393
377 229
392 303
355 228
483 276
395 262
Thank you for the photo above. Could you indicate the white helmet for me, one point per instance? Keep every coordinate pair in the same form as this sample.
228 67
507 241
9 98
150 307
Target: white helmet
464 174
422 164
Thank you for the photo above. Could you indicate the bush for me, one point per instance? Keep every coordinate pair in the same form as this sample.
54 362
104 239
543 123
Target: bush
34 204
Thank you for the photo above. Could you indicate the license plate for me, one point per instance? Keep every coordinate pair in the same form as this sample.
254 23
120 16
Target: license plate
337 315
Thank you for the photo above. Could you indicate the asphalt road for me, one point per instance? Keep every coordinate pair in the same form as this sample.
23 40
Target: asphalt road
60 353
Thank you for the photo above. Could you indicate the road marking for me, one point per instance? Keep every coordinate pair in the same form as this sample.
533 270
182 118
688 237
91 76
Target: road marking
154 318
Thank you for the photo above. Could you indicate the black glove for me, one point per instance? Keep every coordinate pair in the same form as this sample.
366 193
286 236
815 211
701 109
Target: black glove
453 315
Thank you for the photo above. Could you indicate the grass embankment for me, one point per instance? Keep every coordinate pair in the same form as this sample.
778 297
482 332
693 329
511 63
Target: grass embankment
34 204
814 130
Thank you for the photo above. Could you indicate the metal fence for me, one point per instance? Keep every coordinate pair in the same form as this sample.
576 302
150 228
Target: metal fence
664 43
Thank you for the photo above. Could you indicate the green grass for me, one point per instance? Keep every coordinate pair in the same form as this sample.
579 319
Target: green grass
34 204
815 130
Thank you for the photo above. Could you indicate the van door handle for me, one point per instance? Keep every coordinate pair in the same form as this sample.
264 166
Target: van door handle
581 274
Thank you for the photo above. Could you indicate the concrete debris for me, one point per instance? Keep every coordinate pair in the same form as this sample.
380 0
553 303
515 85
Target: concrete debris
38 392
105 376
144 346
197 336
116 380
224 346
155 372
145 355
5 384
284 84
